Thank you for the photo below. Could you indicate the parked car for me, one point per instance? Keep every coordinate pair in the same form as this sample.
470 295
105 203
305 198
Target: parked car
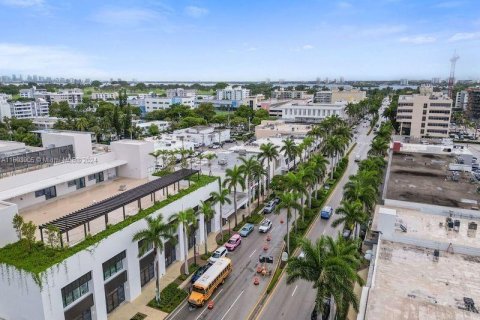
233 242
346 233
219 253
199 272
265 225
214 146
326 212
276 200
357 158
270 207
246 229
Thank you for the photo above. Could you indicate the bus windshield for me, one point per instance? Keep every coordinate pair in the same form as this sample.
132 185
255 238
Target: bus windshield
198 289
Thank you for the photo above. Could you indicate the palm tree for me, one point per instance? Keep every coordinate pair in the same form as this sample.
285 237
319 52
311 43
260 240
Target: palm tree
206 209
184 219
157 233
221 197
270 154
156 154
330 148
233 178
352 215
248 169
319 167
330 265
258 173
289 150
81 124
356 189
307 144
210 157
289 201
294 183
378 147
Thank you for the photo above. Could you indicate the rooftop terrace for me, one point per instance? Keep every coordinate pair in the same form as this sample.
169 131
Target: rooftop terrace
409 284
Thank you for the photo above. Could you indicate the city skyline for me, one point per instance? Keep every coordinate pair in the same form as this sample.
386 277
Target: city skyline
197 41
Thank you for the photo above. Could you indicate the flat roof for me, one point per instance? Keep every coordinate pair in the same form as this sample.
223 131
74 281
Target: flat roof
409 284
101 208
425 178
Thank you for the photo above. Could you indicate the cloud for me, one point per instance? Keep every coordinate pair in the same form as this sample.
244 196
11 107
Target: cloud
462 36
125 16
382 30
46 60
22 3
307 47
344 5
420 39
196 12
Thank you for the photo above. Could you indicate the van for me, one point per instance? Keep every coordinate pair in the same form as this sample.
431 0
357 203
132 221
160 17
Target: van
219 253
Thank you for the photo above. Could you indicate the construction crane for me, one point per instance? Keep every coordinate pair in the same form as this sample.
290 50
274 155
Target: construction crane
451 80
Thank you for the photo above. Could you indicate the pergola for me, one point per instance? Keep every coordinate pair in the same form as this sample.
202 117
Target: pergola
102 208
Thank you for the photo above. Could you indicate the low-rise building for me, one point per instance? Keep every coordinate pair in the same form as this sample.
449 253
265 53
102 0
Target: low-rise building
181 93
309 112
288 94
461 100
104 96
29 109
281 128
5 106
203 135
45 122
161 125
337 95
233 93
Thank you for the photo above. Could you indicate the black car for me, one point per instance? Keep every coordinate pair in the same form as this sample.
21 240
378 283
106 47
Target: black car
199 272
326 311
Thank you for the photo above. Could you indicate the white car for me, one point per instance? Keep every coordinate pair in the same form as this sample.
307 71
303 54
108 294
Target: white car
265 226
219 253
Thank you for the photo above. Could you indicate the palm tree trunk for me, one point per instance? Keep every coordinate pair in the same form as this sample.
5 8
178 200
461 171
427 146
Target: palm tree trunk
221 220
157 278
185 238
248 197
333 167
259 190
295 222
205 235
235 205
309 199
302 208
288 233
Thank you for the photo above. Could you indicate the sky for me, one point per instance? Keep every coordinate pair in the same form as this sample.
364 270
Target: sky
248 40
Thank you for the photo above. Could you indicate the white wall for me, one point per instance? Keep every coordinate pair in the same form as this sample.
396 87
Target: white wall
7 233
79 264
82 142
136 153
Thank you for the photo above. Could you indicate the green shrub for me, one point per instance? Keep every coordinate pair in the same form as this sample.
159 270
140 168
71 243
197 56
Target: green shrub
205 256
226 236
255 218
239 226
274 280
170 298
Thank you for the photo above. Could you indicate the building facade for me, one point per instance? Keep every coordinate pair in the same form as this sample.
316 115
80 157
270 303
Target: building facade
104 96
29 109
461 100
336 95
473 104
233 93
424 115
181 93
311 112
288 94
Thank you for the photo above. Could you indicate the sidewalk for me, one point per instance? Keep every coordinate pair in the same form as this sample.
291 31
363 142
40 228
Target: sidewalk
129 309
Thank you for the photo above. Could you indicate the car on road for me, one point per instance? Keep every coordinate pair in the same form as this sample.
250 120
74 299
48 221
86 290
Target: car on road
219 253
326 312
246 230
233 242
199 272
276 200
326 212
265 225
270 207
214 146
357 158
346 233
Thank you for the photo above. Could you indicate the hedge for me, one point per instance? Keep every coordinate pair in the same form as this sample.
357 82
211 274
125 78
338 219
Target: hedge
42 257
170 298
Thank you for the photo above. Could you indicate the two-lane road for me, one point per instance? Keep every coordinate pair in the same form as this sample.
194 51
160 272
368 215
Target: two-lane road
296 301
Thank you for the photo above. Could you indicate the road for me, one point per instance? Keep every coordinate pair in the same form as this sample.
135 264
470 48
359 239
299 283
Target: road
238 295
296 301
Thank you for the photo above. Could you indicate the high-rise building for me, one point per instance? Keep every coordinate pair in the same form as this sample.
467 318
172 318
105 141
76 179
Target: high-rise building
424 115
473 104
404 82
461 100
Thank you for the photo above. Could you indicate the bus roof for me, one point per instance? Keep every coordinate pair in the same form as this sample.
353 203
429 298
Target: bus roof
212 273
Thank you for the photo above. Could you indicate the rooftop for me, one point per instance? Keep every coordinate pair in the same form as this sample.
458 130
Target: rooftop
425 178
409 284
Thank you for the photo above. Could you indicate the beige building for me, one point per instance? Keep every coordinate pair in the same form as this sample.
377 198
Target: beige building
279 128
288 94
337 95
424 114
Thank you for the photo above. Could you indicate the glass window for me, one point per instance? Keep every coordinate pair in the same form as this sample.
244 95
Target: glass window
112 269
76 289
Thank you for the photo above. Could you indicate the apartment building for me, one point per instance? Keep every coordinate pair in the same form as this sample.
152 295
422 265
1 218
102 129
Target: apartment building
288 94
5 106
159 103
310 112
473 103
336 95
424 114
72 96
181 93
29 109
98 204
233 93
461 100
104 96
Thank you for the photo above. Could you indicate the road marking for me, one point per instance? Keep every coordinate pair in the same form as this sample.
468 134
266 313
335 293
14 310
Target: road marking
294 290
232 305
205 309
175 314
252 253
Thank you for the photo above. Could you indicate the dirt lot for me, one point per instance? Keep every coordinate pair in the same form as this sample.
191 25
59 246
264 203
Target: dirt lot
423 178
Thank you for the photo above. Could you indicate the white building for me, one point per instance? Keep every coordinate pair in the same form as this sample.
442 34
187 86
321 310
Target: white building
181 93
29 109
72 96
233 93
310 112
161 125
104 96
203 135
44 122
157 103
5 106
288 94
461 100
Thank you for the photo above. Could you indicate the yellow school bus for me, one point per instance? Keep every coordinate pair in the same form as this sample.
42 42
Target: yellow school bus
204 287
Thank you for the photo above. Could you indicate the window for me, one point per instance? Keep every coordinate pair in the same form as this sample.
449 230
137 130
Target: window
113 265
80 183
49 193
76 289
98 177
424 111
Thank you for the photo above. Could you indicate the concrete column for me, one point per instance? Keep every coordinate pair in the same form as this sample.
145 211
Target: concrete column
201 229
181 242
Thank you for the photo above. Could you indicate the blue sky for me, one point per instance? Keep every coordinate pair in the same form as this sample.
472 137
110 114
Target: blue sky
240 40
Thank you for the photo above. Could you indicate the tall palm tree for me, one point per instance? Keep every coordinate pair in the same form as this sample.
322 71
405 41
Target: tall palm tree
319 168
210 157
157 233
352 215
294 183
259 173
81 124
330 148
269 153
156 154
378 147
184 219
289 201
206 209
248 170
233 178
330 265
356 189
289 150
222 198
307 144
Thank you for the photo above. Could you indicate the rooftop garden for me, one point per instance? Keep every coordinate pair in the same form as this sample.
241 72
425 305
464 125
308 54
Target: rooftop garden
36 258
